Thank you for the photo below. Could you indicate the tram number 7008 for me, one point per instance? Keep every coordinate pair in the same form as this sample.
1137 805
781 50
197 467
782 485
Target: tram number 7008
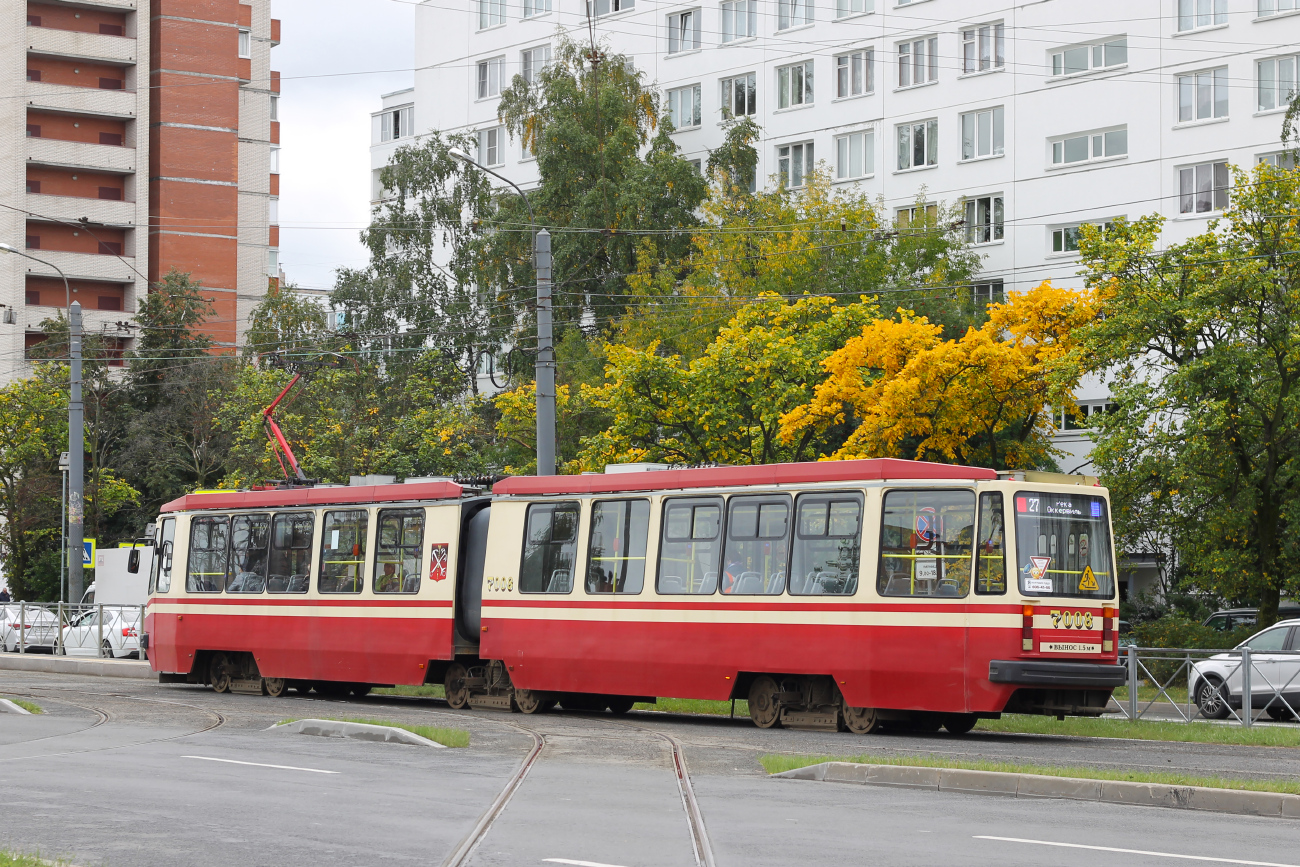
1071 619
500 585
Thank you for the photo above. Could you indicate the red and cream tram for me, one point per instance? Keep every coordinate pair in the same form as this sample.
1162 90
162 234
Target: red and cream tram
833 594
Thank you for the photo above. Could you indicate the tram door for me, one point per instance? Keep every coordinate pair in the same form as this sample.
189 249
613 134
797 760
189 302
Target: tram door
469 582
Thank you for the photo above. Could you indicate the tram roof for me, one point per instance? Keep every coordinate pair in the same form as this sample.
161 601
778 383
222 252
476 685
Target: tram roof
316 496
873 469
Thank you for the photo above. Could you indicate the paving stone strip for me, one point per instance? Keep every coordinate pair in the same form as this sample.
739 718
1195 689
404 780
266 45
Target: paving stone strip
1037 786
49 663
328 728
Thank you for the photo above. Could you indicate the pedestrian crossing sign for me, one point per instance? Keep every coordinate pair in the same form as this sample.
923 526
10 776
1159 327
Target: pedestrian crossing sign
1088 581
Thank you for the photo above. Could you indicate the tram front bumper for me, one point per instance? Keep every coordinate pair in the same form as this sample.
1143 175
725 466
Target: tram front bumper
1046 674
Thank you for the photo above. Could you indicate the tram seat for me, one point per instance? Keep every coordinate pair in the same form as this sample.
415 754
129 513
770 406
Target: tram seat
671 584
823 582
749 583
298 583
948 587
899 585
277 583
561 581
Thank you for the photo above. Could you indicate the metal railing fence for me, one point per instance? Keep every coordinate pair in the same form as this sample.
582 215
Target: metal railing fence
1267 677
62 628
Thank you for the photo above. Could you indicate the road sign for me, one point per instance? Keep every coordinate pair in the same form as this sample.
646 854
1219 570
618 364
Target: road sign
88 553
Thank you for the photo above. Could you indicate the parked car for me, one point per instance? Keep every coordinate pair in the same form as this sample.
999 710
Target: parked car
39 626
1229 619
1216 683
120 636
1127 637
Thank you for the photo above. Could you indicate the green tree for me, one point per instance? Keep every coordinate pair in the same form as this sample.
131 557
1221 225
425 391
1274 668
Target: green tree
1201 340
33 431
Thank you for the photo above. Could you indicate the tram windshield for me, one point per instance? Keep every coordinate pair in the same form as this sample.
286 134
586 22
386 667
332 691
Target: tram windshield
1063 545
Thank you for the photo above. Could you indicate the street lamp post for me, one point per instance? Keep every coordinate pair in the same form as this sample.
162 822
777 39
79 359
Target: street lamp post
545 368
76 437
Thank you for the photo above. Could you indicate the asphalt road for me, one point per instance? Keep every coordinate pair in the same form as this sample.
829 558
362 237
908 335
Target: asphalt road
134 773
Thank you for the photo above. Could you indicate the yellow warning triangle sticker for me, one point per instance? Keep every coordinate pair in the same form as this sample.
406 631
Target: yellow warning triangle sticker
1089 580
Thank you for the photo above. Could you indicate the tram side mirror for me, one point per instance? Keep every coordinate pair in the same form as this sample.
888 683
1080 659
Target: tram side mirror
133 561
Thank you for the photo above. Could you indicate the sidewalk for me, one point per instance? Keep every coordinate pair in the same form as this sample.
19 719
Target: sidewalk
74 665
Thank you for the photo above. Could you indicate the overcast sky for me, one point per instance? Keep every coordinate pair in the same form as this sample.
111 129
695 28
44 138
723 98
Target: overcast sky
325 123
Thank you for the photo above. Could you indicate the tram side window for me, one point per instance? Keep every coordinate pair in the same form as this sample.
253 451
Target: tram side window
926 539
290 570
397 551
620 533
343 551
208 548
991 553
758 545
249 536
691 546
550 548
160 573
827 545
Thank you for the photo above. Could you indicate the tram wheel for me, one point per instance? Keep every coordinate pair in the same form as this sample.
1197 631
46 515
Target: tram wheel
361 690
959 723
763 707
531 701
620 704
274 686
860 720
219 672
454 686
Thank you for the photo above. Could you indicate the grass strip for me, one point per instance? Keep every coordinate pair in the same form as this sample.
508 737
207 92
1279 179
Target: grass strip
446 737
1145 730
19 859
695 705
30 707
428 690
775 764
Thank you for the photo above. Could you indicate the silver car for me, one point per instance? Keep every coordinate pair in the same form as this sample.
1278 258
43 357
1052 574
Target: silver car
118 637
39 628
1216 683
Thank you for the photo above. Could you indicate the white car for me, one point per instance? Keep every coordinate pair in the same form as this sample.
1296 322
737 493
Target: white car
40 628
1215 683
120 636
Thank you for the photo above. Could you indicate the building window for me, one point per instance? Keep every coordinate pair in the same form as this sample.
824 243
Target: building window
33 296
684 31
491 146
983 48
982 134
989 292
794 85
1194 14
918 62
605 7
33 75
245 43
916 217
845 8
1079 421
1203 189
918 144
1090 146
33 20
33 242
684 106
34 130
1277 81
1278 160
984 219
1203 95
273 210
536 7
396 124
855 155
855 73
793 13
533 61
1276 7
275 107
794 163
275 160
740 95
1066 238
273 263
739 19
1087 58
490 73
33 186
491 13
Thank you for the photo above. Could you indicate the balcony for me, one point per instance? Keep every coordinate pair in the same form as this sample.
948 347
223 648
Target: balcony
47 41
80 155
84 266
80 100
72 208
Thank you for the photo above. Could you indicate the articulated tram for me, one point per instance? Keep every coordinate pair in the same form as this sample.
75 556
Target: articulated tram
830 595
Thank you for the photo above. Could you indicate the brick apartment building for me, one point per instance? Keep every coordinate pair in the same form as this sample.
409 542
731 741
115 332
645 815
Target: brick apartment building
136 136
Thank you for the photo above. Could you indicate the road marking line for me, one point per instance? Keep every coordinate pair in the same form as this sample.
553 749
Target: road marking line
259 764
577 863
1137 852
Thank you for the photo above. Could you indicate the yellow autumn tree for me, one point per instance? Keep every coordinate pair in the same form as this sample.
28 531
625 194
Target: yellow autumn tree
982 399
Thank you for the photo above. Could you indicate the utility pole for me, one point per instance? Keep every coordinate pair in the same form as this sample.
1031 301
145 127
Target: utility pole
545 370
76 461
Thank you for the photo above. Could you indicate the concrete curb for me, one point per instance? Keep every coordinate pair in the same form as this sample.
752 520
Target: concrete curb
7 706
50 664
328 728
1038 786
